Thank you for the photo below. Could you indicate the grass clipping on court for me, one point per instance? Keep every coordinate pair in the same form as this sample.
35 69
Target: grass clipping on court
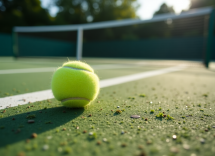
176 117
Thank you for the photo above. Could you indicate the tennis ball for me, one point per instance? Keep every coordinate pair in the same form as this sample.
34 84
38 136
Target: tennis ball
75 84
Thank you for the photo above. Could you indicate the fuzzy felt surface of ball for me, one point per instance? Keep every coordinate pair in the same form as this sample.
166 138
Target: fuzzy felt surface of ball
75 84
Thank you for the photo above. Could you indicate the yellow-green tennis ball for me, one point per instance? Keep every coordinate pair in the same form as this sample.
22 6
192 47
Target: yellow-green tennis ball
75 84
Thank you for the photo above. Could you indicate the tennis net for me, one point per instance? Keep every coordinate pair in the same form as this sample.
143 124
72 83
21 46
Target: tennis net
187 36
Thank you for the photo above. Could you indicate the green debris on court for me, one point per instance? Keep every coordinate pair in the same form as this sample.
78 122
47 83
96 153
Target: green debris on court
142 95
188 129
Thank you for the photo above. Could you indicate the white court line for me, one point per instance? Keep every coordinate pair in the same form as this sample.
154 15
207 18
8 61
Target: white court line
52 69
22 99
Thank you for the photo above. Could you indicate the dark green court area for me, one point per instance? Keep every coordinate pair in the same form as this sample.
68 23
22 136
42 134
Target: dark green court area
176 115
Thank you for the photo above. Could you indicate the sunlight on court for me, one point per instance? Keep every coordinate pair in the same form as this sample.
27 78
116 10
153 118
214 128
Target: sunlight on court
94 79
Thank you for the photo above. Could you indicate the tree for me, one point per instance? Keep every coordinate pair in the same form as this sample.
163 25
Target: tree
164 8
201 3
22 13
83 11
164 29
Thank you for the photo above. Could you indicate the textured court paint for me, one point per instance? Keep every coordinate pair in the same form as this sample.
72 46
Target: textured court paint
184 89
47 94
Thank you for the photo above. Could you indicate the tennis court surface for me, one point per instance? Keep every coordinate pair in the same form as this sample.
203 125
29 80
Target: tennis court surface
174 99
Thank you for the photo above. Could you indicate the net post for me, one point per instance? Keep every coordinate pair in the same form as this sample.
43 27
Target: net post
210 38
79 43
15 43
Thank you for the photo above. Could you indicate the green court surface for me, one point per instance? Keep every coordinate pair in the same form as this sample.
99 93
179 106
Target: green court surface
177 113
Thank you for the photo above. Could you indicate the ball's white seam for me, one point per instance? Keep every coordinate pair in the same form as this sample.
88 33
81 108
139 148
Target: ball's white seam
77 69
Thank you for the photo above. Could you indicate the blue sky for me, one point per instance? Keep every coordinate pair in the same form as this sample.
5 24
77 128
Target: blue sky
146 10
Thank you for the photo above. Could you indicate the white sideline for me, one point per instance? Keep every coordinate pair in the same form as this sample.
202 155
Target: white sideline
52 69
22 99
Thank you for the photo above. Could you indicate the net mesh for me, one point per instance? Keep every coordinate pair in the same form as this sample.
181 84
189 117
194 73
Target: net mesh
183 38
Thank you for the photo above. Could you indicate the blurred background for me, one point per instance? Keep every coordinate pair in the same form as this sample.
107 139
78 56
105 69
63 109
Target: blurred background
170 39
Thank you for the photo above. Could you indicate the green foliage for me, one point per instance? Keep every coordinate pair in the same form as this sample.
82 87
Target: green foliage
22 13
152 111
87 11
76 12
164 8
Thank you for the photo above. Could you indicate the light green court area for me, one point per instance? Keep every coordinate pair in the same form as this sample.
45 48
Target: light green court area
19 83
177 117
